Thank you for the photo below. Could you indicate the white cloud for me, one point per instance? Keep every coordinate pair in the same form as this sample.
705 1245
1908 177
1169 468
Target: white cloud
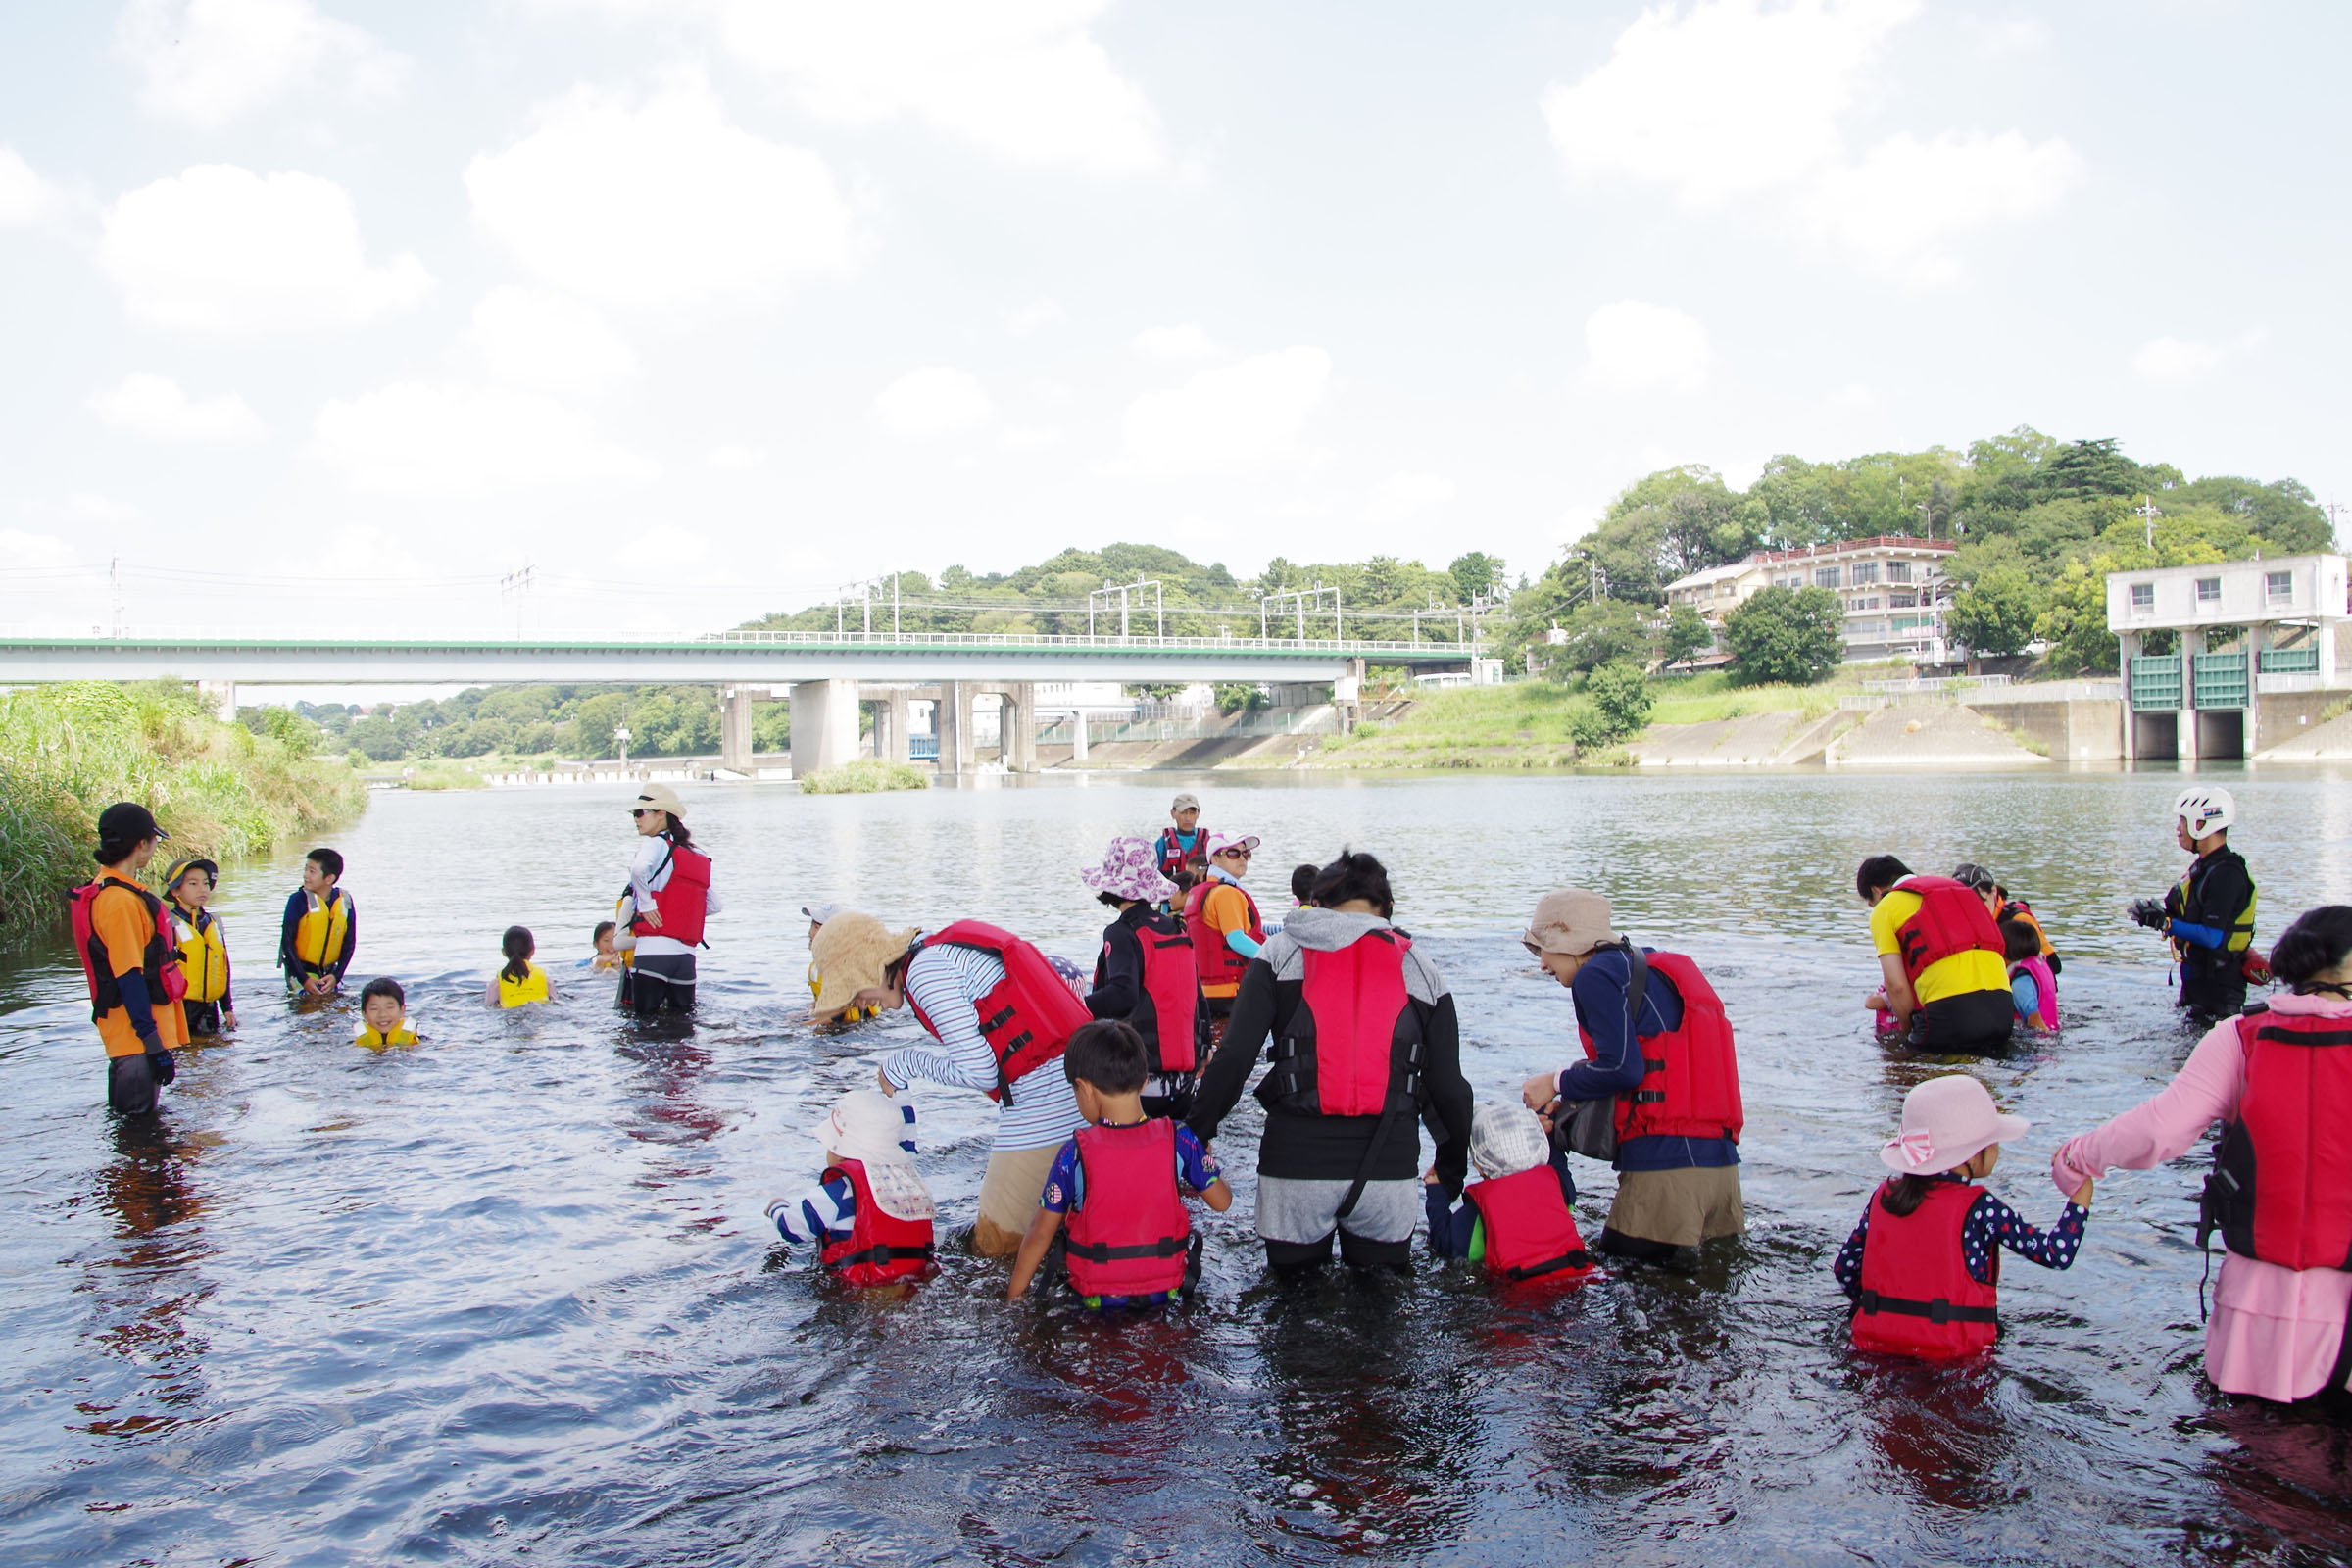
1029 317
2178 361
222 249
1727 99
674 544
21 549
546 341
1023 78
154 406
100 509
207 62
1186 342
1402 495
658 202
368 555
25 198
933 401
1632 344
733 459
1902 206
415 438
1238 415
1030 438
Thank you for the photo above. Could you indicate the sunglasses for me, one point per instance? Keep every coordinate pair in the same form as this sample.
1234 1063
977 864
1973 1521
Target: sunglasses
1234 855
645 810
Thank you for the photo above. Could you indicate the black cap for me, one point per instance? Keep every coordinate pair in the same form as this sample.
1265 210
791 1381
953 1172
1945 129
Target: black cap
128 822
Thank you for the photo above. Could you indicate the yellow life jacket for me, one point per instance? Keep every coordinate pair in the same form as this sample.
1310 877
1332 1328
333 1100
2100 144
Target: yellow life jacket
401 1035
204 959
319 939
533 987
848 1015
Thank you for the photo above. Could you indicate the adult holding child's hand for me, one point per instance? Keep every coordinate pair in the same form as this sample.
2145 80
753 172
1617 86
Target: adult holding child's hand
2280 1193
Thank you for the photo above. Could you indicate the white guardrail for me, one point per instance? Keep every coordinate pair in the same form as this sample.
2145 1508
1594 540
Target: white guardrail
248 637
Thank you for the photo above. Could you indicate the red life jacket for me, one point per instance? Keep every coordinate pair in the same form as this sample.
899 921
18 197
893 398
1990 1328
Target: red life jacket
1690 1074
2281 1186
1918 1298
1218 964
1356 1038
1528 1228
1175 860
880 1246
158 965
1173 991
1130 1234
1028 1017
681 900
1951 918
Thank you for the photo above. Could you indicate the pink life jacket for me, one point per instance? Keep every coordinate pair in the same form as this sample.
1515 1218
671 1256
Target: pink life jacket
2045 987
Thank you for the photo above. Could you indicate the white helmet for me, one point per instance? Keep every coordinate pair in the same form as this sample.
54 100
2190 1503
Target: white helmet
2205 809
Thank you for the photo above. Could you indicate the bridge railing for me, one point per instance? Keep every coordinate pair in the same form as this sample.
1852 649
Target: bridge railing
1358 647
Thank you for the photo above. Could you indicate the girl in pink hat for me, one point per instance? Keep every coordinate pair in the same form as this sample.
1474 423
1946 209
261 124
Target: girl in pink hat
1922 1268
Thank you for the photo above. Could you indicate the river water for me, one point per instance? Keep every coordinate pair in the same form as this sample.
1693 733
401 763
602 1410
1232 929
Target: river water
509 1297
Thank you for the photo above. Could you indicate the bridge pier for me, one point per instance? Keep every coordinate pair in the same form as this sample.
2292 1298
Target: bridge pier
952 722
894 726
824 725
222 696
1016 727
735 730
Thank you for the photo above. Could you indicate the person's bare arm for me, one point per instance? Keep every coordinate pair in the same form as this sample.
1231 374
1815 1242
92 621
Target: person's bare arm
1219 1196
1034 1244
1901 1000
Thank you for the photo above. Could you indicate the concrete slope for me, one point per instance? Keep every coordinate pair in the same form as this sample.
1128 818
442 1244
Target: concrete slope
1757 740
2330 742
1941 736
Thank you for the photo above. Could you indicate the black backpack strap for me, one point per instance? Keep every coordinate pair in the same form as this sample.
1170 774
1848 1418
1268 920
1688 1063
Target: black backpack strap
1939 1310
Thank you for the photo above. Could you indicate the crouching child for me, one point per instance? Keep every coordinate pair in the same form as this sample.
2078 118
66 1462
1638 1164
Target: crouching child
1515 1218
1120 1181
870 1214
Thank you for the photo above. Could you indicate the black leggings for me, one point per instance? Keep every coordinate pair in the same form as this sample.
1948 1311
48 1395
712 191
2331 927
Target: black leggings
132 1081
663 982
1980 1023
1296 1258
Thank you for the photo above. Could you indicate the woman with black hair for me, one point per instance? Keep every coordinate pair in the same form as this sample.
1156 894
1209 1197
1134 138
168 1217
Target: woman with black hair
668 899
130 952
2279 1081
1365 1047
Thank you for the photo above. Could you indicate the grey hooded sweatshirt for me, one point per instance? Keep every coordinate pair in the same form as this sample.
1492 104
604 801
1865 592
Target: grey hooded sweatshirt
1273 1005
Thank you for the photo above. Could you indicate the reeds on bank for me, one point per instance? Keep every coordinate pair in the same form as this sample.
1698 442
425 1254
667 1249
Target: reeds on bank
68 751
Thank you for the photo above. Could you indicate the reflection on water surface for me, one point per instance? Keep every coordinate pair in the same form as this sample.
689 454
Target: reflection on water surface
509 1293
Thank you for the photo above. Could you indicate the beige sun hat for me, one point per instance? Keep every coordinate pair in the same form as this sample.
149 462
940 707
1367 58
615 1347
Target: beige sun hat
848 956
1570 920
659 798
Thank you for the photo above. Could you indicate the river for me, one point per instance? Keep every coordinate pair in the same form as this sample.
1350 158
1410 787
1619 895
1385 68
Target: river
510 1295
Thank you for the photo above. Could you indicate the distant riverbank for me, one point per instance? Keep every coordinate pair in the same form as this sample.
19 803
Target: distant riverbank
220 790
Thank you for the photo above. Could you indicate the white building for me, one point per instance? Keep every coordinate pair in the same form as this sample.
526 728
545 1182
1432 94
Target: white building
1893 588
2201 700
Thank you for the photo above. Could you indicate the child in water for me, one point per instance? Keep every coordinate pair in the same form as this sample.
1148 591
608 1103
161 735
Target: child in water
1515 1218
208 1005
818 914
1920 1268
520 982
607 956
1120 1181
1302 883
869 1212
2033 988
384 1015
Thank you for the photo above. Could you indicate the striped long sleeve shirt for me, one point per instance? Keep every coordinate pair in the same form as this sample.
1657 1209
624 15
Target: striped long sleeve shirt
948 983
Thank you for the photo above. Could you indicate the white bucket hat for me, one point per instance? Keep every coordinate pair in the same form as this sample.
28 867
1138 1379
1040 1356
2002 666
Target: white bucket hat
864 1125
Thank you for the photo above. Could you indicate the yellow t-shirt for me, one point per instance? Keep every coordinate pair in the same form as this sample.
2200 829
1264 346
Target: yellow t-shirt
1955 976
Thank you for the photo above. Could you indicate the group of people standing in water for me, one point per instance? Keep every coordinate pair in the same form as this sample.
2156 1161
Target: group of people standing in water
1113 1088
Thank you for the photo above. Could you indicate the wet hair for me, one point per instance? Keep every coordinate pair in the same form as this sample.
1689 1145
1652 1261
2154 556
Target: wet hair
327 860
603 929
519 945
1902 1194
2019 941
2318 940
1109 1055
1303 881
1878 871
1354 875
383 984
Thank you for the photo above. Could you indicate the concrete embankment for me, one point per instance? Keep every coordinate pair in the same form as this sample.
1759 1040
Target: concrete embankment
1929 736
1755 740
2330 742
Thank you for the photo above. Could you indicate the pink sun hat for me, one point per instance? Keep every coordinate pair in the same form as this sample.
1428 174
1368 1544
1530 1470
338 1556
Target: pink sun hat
1948 1121
1130 869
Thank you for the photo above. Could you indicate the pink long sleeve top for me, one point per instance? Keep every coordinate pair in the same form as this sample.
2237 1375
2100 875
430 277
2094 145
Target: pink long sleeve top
2275 1332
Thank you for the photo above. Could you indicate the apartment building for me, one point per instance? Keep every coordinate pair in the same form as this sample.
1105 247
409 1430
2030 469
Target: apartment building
1893 588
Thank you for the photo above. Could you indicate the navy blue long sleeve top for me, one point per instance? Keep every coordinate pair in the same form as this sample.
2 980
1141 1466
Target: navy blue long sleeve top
1598 992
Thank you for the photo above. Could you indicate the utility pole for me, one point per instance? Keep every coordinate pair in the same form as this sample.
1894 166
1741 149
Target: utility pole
2334 509
1126 593
516 586
113 585
2147 511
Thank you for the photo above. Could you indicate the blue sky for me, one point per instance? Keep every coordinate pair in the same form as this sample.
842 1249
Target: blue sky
329 314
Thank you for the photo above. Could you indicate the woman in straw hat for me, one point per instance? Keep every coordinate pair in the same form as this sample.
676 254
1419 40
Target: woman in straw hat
669 897
861 963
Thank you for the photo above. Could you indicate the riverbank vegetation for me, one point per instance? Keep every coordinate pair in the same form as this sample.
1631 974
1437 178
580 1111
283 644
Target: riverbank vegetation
220 790
532 725
867 776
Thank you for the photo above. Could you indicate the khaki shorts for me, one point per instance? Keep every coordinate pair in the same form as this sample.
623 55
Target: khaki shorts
1008 1197
1679 1208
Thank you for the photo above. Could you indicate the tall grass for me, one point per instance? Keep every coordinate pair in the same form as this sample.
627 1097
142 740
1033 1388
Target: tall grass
867 776
68 751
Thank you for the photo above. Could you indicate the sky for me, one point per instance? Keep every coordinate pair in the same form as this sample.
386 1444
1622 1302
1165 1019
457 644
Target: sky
323 316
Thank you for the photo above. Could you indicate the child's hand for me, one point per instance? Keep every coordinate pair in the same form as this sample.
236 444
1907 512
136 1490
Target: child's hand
1875 1001
2081 1195
1429 1176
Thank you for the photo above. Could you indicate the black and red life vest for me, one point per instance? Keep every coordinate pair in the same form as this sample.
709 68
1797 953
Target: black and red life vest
1217 963
683 899
1130 1232
2281 1188
1917 1296
1353 1046
880 1247
1169 1015
1689 1074
1027 1017
159 963
1951 918
1176 862
1530 1230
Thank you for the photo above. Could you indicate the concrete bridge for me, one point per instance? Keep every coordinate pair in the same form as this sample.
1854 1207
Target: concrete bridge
824 675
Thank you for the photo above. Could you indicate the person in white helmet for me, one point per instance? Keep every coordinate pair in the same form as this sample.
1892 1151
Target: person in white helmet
2208 916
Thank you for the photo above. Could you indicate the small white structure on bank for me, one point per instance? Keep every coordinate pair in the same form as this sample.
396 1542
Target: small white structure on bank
2287 608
